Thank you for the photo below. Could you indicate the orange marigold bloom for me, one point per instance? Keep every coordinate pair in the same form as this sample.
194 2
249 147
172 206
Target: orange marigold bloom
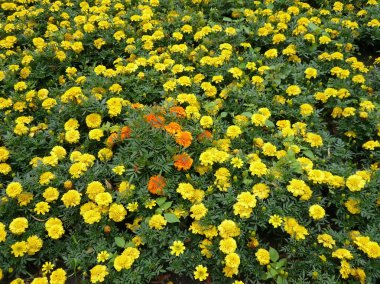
125 132
155 121
156 184
184 138
173 128
205 135
182 161
111 140
178 111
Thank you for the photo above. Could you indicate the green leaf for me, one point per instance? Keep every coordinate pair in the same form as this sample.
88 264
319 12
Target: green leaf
166 205
160 200
226 19
120 242
309 154
274 256
313 27
130 245
281 280
273 272
223 114
269 123
247 114
281 263
171 218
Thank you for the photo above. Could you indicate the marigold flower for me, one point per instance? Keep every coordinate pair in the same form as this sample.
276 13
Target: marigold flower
156 184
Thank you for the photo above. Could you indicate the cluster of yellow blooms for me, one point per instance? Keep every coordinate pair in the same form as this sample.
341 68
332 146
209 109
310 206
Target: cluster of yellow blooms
282 126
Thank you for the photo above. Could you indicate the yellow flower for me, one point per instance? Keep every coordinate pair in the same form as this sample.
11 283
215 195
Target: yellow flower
103 256
326 240
227 245
18 225
177 248
233 131
198 211
293 90
311 73
42 208
117 212
275 220
13 189
316 212
262 256
93 120
271 53
342 254
98 273
19 248
355 183
200 273
71 198
34 244
157 222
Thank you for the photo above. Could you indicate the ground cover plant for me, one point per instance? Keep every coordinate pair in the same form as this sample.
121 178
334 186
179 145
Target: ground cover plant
223 141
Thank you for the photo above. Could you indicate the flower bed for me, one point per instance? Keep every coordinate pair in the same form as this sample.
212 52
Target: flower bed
220 140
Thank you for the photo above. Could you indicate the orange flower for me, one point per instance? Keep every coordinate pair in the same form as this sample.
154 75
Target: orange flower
111 140
173 128
155 121
205 135
184 138
137 105
125 133
178 111
156 184
182 161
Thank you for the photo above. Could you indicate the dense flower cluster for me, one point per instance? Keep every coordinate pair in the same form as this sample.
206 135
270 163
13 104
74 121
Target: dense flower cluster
224 141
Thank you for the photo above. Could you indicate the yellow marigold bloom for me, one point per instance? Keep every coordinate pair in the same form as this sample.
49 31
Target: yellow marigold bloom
13 189
103 256
311 72
42 208
93 120
306 109
258 168
342 254
103 199
34 244
198 211
355 183
269 149
371 145
98 273
293 90
177 248
299 188
275 221
314 139
352 206
316 212
262 256
261 190
227 245
200 273
54 228
228 228
58 276
19 248
233 131
117 212
326 240
71 198
157 222
271 53
19 225
232 260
